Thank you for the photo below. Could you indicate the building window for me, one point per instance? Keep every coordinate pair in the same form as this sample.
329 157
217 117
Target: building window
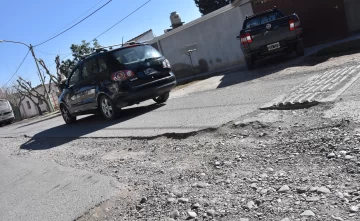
28 104
40 102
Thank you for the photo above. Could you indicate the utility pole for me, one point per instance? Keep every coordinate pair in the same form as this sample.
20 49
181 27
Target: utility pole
41 78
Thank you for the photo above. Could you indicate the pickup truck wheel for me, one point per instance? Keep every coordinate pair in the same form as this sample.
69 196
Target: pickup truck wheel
249 63
300 48
162 98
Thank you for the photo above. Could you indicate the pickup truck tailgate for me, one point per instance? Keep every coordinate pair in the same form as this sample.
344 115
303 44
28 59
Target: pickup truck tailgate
269 33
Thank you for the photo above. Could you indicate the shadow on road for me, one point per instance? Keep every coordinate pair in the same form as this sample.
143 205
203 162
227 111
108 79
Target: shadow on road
62 134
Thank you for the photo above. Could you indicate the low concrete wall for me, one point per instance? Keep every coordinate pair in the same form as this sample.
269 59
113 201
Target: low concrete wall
215 38
352 9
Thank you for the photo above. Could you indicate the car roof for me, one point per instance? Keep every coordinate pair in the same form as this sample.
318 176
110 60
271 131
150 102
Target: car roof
103 52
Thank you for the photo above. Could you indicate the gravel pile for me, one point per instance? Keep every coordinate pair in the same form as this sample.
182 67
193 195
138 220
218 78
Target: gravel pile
244 171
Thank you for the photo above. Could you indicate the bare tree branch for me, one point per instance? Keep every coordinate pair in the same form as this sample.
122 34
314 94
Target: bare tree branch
30 92
26 85
55 79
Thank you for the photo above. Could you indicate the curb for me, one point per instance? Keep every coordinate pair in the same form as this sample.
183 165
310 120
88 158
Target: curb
39 119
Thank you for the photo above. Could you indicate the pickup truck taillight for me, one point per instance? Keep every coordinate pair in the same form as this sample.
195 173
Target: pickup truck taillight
294 23
246 38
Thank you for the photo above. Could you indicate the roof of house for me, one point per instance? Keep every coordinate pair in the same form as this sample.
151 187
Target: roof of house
141 35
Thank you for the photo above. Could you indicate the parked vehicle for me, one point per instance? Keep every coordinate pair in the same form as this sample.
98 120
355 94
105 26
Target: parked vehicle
6 112
269 34
107 81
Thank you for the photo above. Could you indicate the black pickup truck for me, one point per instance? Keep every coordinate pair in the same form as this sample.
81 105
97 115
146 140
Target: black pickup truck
270 34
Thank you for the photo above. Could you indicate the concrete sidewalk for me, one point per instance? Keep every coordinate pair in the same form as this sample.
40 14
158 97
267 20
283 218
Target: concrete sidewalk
32 189
38 119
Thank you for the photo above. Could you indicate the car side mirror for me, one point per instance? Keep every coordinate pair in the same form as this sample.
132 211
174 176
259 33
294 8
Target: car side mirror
238 37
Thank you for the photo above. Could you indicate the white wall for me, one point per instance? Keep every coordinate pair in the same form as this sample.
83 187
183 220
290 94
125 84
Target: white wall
215 37
33 111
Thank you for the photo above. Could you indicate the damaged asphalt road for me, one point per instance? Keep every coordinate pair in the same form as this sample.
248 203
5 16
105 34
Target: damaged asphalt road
252 165
289 163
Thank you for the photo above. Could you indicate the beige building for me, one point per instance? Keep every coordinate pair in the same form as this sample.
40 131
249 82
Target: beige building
28 108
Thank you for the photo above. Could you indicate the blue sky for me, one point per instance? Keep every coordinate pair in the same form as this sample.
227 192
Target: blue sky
34 21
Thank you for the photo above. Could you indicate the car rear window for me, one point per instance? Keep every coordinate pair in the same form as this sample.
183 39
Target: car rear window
135 54
262 19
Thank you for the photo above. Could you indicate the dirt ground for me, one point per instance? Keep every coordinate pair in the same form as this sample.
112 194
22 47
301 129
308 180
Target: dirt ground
292 164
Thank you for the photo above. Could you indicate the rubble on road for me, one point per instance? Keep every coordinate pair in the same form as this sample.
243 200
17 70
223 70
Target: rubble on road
304 168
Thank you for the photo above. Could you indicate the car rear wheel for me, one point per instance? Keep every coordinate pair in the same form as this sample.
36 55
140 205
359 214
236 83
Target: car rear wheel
162 98
107 108
249 63
68 118
300 51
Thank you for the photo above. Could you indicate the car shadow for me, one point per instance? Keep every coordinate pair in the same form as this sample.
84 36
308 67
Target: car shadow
62 134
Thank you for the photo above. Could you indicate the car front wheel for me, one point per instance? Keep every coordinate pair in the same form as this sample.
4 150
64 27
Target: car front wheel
107 108
68 118
162 98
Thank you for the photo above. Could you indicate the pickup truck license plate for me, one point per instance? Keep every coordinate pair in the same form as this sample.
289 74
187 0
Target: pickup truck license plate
273 46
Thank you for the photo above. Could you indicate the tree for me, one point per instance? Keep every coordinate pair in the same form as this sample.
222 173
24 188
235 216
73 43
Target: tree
55 80
78 51
207 6
25 89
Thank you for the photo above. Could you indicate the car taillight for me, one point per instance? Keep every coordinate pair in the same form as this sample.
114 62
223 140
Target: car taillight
294 23
246 38
122 75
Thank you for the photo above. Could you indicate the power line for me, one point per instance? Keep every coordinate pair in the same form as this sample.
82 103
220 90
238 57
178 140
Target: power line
79 16
98 35
17 68
51 64
51 53
74 24
122 19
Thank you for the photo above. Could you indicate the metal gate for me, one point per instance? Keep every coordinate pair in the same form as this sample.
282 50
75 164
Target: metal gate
321 20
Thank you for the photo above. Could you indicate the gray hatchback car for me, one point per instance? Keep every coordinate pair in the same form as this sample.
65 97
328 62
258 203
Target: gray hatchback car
6 112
